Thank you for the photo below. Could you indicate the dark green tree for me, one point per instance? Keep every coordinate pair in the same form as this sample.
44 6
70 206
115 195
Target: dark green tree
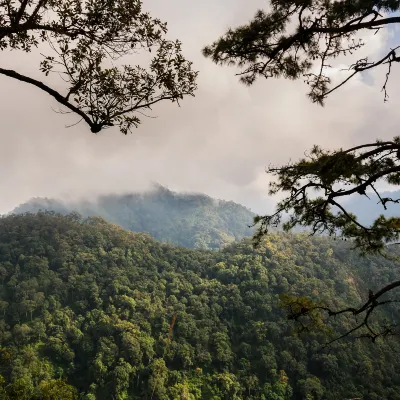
292 40
295 35
81 40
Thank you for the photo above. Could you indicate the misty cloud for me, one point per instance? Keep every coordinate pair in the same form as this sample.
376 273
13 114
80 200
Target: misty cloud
218 143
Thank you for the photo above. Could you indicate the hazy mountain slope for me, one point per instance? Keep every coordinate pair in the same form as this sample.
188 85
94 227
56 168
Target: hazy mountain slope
190 220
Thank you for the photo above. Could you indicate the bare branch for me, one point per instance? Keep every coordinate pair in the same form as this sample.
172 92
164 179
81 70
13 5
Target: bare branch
298 310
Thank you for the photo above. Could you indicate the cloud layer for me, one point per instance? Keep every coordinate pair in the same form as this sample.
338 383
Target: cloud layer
218 143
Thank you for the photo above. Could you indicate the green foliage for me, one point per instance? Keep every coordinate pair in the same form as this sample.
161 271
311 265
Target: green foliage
367 209
83 40
189 220
315 186
295 38
292 40
56 390
88 313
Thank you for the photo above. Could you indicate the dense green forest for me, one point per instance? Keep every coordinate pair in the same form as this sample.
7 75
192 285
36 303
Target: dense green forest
189 220
92 311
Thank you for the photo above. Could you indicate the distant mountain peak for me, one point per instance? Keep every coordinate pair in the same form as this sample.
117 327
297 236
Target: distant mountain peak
185 219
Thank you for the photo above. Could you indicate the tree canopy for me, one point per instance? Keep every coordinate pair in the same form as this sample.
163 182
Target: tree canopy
91 311
86 42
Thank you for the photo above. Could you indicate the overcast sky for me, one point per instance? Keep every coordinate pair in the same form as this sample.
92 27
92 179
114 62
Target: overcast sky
218 143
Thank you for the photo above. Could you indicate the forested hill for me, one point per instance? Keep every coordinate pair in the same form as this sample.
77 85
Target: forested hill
93 312
189 220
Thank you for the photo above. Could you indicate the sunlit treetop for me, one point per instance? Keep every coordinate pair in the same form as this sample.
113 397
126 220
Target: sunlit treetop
293 39
87 43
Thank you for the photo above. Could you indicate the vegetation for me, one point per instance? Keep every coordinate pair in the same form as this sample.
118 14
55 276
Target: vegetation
90 311
189 220
81 41
297 37
368 208
335 175
266 47
314 187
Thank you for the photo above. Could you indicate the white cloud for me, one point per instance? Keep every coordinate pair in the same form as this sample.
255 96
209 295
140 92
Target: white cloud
218 142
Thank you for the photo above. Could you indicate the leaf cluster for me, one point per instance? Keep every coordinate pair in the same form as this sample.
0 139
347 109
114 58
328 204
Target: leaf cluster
301 38
316 185
88 43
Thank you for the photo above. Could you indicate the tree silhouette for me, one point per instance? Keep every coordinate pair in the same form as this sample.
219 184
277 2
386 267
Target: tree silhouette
87 42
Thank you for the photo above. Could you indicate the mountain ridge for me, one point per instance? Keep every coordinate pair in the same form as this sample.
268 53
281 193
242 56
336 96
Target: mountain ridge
191 220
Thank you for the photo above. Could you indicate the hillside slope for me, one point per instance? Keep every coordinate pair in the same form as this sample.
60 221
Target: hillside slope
94 312
189 220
